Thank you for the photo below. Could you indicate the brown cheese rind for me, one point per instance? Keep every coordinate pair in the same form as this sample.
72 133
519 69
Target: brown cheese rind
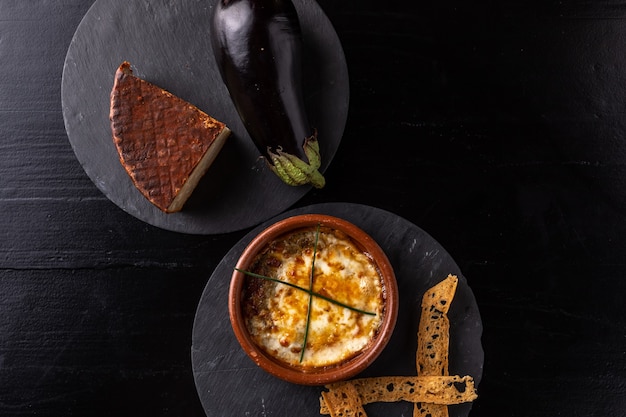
164 143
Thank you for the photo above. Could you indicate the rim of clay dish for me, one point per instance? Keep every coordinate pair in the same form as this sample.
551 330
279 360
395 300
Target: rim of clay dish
322 375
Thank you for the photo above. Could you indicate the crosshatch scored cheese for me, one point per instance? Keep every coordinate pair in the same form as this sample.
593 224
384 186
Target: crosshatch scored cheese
276 313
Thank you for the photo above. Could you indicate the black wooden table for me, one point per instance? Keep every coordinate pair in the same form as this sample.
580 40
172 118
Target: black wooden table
497 128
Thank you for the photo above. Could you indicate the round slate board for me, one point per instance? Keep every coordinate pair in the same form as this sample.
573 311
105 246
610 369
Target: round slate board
168 43
230 384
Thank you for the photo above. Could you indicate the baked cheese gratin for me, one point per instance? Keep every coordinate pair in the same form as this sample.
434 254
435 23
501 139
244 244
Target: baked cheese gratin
277 314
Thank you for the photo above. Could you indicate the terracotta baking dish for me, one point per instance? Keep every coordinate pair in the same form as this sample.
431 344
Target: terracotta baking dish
315 375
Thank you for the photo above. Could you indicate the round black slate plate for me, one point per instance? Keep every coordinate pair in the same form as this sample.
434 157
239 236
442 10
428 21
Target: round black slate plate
230 384
168 43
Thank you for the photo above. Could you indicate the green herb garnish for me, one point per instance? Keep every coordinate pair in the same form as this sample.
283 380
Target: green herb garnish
309 291
312 293
308 312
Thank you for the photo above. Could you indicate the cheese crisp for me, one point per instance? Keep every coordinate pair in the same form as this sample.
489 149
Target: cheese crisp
276 314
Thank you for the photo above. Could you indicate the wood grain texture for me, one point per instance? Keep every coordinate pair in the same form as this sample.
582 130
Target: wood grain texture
497 128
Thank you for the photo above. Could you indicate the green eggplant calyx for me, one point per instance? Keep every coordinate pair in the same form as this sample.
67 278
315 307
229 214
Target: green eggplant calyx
294 171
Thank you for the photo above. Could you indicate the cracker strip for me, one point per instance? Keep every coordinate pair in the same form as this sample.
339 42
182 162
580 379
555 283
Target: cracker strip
441 390
433 340
342 400
433 335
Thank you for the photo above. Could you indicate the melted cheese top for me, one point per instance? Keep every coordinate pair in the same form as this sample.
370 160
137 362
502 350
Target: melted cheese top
276 314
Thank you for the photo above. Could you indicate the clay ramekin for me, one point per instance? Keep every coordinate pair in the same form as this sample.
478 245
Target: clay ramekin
322 375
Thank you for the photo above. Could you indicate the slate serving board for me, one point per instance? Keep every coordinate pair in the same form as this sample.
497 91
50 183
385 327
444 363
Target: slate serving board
168 44
230 384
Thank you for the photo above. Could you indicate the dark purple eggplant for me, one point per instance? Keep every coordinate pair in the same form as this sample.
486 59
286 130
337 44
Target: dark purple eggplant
258 48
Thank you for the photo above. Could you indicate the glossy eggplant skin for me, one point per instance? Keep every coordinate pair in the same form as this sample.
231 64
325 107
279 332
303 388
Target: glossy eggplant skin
258 49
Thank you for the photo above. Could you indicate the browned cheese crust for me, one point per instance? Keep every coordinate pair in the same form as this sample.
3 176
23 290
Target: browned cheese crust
161 139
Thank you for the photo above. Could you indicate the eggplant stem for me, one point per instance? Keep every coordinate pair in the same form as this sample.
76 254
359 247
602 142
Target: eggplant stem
294 171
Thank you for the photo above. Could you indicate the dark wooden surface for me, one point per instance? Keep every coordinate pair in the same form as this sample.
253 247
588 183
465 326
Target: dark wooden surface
497 127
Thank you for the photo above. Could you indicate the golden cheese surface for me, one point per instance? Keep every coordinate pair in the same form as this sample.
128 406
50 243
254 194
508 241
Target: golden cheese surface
276 314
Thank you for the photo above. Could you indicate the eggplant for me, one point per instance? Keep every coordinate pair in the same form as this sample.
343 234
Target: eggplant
258 49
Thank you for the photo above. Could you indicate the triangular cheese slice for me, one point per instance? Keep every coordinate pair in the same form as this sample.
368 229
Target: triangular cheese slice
165 143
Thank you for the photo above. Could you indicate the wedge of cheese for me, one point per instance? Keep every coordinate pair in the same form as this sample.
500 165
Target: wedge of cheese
164 143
